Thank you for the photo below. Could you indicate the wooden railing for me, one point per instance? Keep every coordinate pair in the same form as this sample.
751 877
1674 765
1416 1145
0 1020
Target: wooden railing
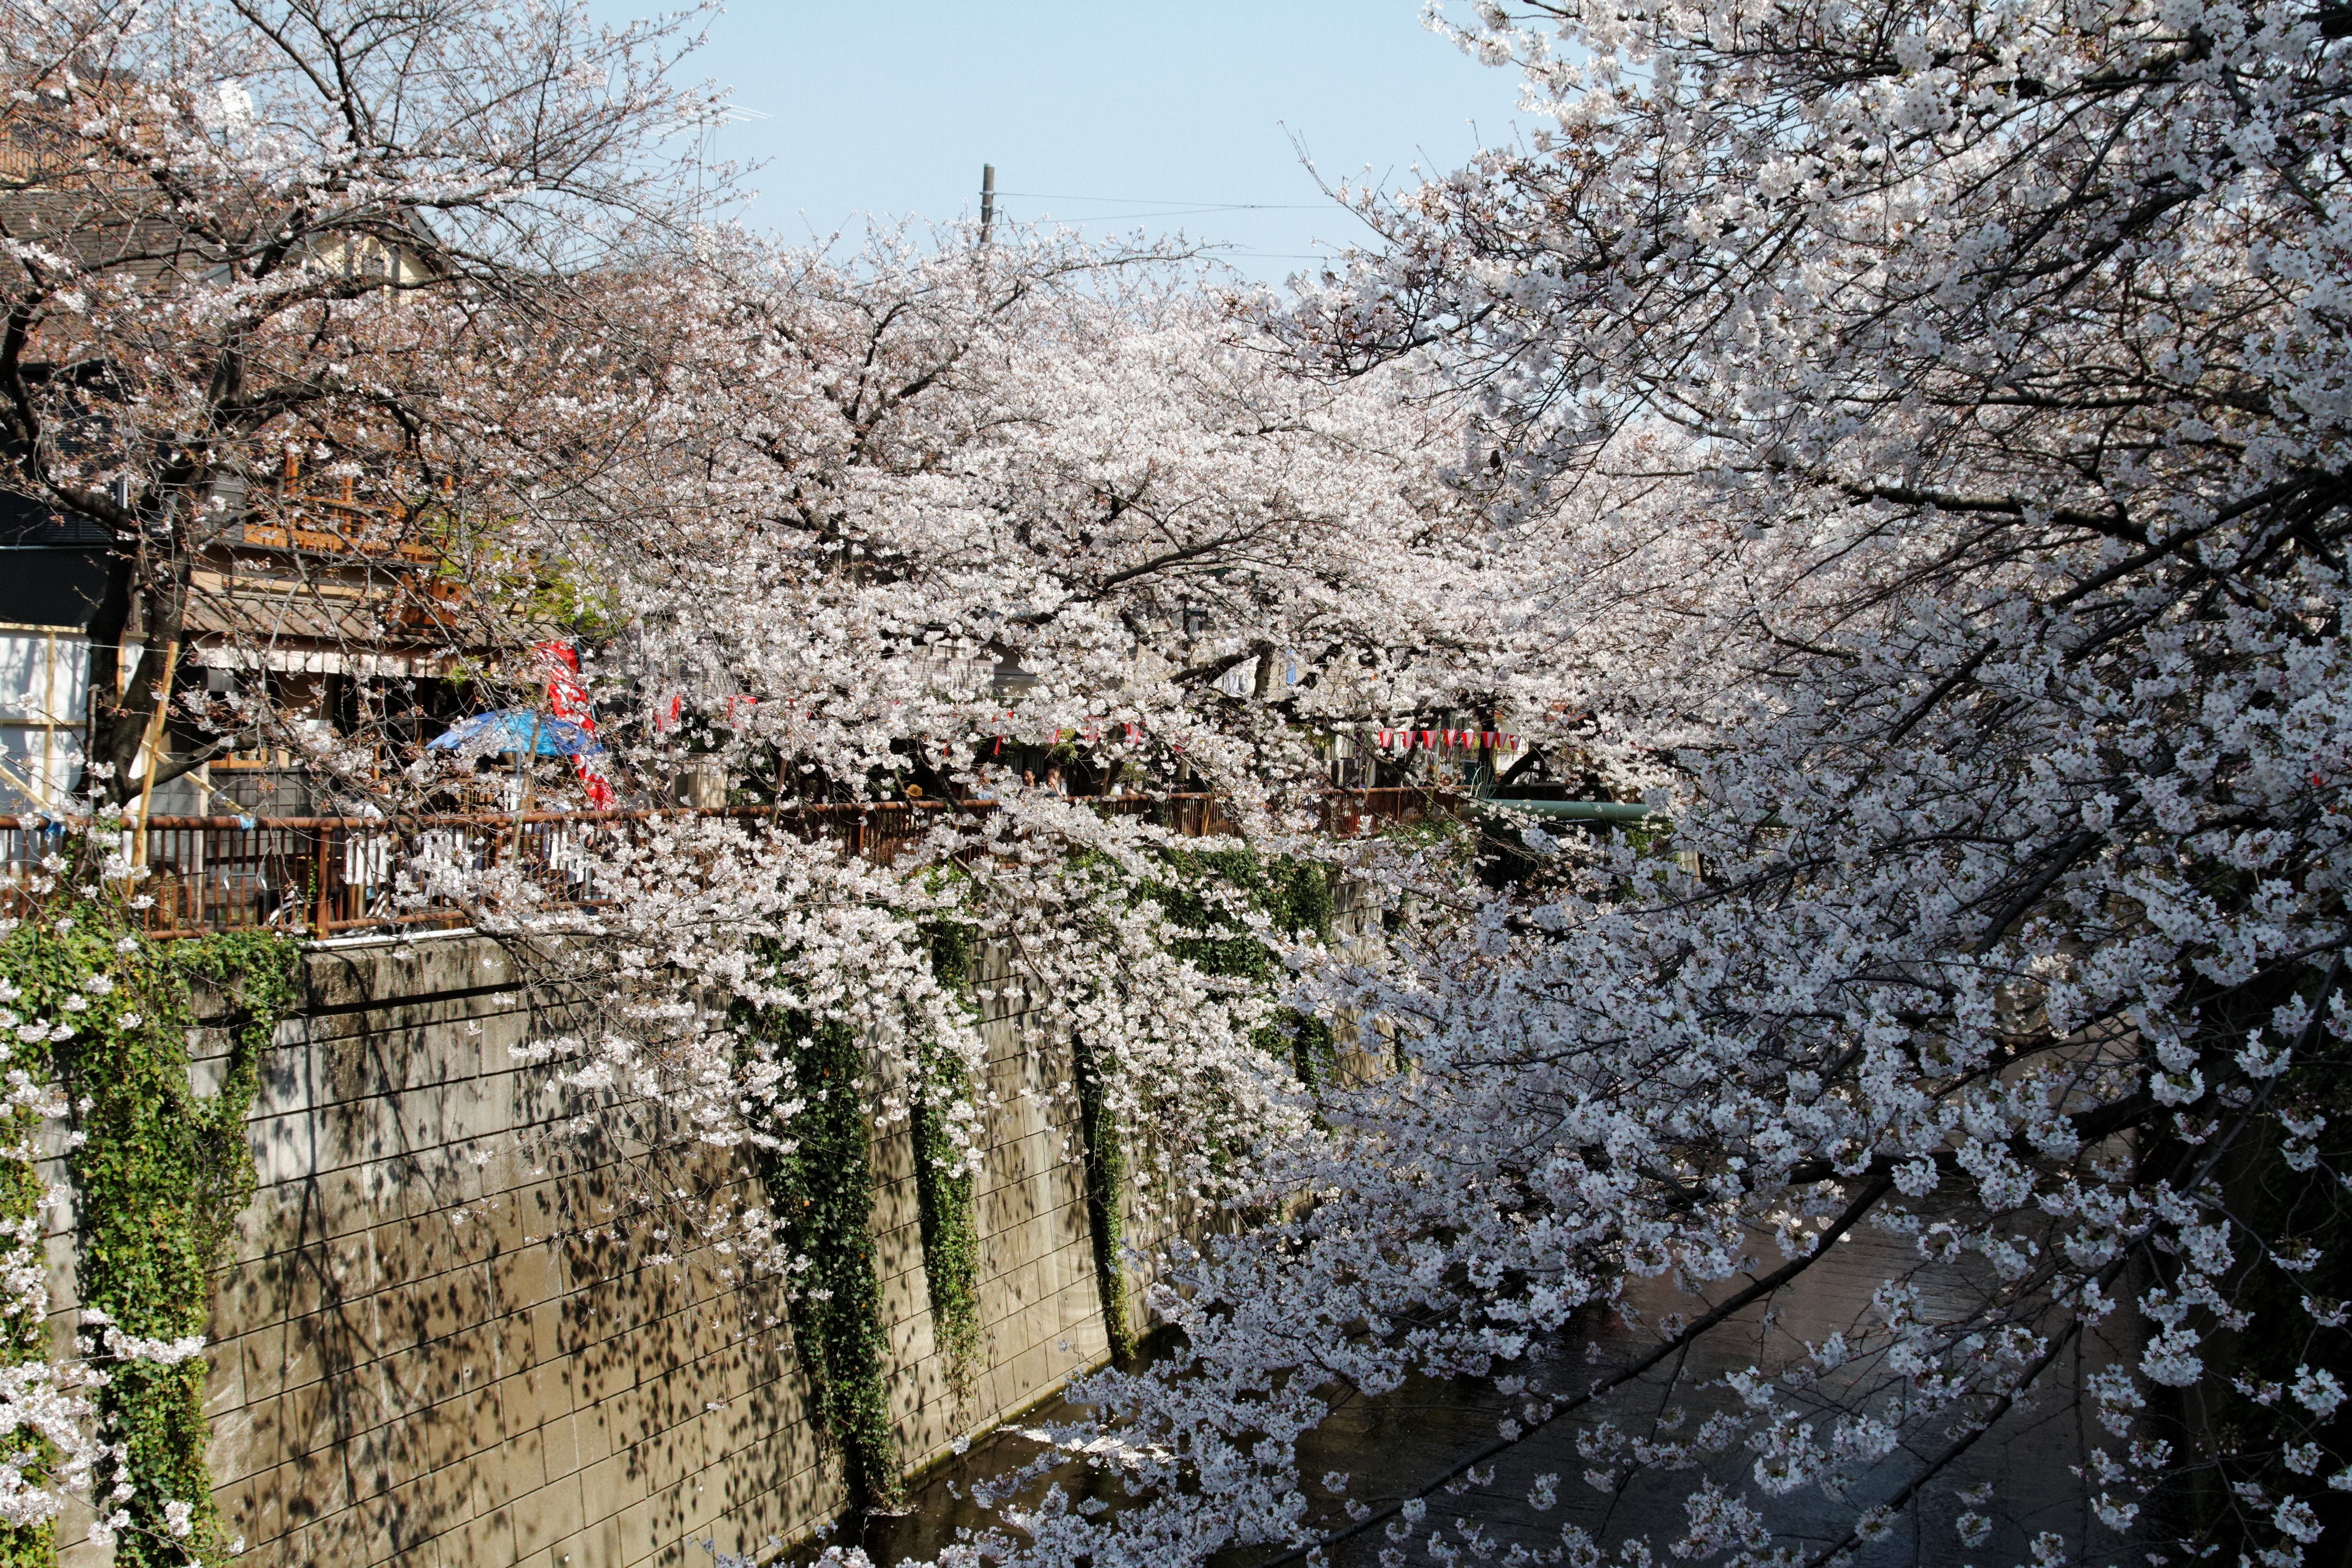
321 876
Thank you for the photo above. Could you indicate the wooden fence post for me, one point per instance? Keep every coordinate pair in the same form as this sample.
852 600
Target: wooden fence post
319 925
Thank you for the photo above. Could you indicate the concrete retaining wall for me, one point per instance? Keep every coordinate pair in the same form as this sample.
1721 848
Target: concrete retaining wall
425 1352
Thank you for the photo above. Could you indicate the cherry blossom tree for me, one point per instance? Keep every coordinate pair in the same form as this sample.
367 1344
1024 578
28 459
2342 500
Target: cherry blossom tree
888 524
893 511
247 243
318 241
1931 419
1904 446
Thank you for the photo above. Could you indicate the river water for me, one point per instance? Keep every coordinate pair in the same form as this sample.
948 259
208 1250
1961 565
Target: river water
1394 1445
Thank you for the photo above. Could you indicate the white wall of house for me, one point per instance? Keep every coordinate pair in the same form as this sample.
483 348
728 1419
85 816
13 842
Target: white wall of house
44 702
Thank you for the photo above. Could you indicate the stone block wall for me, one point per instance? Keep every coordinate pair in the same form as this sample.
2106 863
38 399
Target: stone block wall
423 1359
424 1353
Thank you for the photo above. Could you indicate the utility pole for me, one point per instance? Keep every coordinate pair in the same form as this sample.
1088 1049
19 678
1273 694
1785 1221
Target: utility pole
987 200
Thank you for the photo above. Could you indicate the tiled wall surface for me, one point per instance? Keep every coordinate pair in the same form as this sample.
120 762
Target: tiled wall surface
421 1358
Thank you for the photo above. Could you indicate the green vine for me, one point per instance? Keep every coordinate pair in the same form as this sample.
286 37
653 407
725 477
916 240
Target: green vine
160 1172
824 1189
1105 1173
943 1193
1294 895
256 976
24 1337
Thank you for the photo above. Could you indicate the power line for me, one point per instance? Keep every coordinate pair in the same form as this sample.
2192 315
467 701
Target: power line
1165 202
1156 212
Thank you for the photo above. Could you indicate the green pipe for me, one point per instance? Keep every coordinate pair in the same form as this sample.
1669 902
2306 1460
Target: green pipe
1573 810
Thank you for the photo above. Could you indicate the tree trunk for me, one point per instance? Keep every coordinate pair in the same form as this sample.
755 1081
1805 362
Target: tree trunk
119 720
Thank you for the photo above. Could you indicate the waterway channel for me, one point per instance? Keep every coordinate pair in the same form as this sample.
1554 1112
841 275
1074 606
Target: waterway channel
1396 1445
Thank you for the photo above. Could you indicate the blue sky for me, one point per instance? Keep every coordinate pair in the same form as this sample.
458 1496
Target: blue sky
1119 113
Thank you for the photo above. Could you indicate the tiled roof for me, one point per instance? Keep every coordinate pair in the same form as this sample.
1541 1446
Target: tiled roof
105 230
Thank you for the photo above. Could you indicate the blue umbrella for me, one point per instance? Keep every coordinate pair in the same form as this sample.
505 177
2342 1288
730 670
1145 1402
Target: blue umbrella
516 729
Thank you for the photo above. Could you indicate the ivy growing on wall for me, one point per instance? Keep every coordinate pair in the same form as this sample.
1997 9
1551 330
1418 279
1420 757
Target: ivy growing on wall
943 1186
23 1334
1296 896
162 1175
1106 1172
160 1172
821 1182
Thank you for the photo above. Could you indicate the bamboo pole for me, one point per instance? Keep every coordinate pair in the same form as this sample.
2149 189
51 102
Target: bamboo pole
32 796
155 724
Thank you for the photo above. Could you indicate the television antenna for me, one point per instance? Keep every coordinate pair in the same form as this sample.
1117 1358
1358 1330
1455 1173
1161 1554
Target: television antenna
717 114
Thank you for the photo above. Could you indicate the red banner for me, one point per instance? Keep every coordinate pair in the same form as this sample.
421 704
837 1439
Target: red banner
567 699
